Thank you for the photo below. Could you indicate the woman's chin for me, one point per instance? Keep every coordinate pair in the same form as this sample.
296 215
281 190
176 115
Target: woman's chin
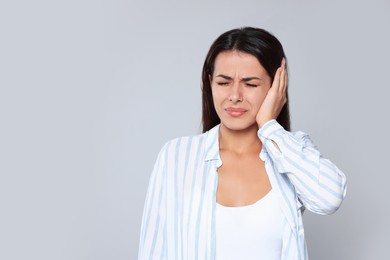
239 126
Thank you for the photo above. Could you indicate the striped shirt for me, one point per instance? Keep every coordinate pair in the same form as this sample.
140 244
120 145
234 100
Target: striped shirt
179 213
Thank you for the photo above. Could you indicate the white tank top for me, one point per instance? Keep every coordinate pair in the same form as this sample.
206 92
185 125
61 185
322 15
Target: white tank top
250 232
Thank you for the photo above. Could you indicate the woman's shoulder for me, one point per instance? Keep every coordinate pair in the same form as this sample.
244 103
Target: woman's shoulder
198 144
186 142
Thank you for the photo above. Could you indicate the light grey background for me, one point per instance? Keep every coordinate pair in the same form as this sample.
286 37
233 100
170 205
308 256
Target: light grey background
90 90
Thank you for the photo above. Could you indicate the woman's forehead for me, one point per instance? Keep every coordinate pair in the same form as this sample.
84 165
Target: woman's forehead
235 63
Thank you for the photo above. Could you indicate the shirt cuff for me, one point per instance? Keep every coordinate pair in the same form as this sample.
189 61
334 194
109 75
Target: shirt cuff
269 128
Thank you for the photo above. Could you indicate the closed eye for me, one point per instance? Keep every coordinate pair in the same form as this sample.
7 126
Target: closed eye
223 83
251 85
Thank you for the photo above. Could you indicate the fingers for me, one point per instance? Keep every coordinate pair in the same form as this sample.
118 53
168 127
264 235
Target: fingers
285 74
276 82
280 79
283 80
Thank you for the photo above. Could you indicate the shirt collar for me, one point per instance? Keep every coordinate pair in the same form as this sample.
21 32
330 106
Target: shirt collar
212 144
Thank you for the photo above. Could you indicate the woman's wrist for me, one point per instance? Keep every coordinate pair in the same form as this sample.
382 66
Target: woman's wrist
261 123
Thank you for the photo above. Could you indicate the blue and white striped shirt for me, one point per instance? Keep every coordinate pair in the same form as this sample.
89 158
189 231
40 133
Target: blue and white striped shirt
179 213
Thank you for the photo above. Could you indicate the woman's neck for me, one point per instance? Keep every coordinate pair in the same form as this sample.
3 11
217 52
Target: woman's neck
239 141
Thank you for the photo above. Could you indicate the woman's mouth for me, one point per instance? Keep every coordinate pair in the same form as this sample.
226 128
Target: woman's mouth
235 112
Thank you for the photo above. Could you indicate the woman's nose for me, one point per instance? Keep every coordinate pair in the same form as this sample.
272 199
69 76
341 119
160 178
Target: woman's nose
235 94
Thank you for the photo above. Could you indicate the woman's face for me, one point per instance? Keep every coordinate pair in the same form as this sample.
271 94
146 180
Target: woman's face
239 85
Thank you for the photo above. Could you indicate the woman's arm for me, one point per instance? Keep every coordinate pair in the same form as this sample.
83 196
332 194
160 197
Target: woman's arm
151 244
319 184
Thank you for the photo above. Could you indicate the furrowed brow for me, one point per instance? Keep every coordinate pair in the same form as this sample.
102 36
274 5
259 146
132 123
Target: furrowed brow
246 79
224 77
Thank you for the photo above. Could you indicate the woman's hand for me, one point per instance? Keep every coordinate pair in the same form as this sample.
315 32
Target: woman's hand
276 97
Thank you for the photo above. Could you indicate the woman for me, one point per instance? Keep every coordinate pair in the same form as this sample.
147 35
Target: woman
238 190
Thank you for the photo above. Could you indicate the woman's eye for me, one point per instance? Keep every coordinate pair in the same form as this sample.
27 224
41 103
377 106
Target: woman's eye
251 85
223 83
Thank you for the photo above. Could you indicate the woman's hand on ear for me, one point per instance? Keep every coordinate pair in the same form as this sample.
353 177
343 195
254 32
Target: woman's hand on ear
276 97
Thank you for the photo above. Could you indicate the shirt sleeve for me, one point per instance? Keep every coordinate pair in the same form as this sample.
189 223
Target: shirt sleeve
151 244
319 184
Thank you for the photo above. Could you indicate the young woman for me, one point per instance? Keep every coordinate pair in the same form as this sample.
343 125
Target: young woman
238 190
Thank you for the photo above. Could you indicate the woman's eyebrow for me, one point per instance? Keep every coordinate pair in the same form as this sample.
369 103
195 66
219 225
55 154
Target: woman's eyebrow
224 76
249 79
245 79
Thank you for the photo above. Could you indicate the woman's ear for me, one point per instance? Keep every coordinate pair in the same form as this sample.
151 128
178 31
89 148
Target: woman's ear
210 79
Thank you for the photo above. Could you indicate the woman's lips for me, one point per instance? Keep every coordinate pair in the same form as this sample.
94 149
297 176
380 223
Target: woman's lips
235 112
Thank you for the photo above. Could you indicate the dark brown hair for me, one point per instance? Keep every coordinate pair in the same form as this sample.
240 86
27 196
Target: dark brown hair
257 42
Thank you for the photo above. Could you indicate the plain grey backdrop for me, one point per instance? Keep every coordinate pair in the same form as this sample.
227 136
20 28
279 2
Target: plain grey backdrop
90 91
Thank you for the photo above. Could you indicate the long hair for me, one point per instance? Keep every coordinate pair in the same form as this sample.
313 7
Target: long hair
255 41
